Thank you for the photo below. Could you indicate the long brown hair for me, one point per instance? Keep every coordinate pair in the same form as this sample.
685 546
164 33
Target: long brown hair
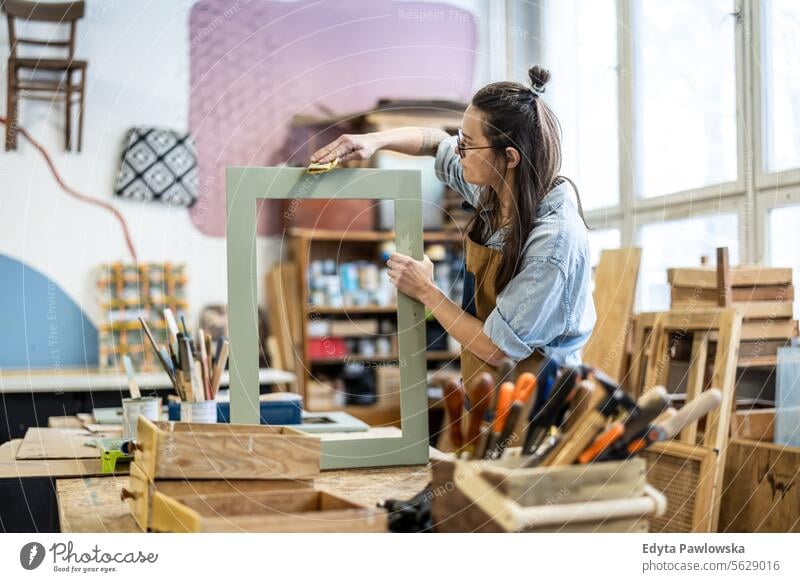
515 116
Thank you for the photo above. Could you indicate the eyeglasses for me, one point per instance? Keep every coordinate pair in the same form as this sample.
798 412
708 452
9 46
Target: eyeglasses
462 150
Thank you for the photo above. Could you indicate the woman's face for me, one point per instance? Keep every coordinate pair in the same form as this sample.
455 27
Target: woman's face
478 164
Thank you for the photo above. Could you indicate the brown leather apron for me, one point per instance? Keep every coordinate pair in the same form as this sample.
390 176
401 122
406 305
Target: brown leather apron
482 266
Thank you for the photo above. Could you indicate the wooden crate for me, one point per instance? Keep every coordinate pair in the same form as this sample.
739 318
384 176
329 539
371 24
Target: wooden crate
277 511
498 496
141 489
182 450
686 475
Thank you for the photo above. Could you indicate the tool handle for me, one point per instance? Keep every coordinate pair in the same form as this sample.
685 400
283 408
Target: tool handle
524 388
479 398
504 439
581 436
649 406
454 404
505 398
602 442
691 411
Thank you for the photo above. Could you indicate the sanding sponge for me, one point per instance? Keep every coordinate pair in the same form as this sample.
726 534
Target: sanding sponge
322 168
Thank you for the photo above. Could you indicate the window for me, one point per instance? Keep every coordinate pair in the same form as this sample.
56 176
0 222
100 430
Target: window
680 243
684 94
600 240
780 70
581 52
783 242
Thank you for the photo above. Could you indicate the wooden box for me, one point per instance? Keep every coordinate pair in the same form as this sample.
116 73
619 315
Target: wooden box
498 496
141 490
182 450
307 510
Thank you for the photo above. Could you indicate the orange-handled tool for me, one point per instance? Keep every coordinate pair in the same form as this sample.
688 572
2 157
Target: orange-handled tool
525 387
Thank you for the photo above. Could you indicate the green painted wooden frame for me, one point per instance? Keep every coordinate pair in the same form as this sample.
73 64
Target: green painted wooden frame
246 185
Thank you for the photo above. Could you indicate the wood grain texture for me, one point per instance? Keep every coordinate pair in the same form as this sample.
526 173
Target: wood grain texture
742 276
57 443
615 289
762 488
278 511
93 504
748 309
12 468
738 294
454 512
222 451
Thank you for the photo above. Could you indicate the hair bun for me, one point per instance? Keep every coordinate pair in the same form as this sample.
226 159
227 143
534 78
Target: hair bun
539 76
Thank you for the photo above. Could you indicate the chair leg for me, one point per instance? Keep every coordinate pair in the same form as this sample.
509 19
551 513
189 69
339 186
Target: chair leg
68 110
11 110
81 92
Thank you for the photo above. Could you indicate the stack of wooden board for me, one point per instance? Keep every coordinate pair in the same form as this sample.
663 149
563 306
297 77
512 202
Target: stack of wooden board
764 295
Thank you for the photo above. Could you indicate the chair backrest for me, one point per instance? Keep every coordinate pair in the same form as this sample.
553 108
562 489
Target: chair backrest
55 12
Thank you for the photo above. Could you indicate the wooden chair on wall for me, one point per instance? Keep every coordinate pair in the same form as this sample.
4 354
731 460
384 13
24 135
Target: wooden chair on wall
47 78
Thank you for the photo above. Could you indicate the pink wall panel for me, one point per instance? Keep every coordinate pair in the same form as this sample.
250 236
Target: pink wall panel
256 64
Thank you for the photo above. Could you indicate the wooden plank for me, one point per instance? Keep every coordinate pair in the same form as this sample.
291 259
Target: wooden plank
769 329
756 424
615 289
695 382
742 276
11 468
748 309
738 294
762 488
723 277
57 443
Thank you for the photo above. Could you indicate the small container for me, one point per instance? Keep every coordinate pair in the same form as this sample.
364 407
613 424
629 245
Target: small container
132 408
199 412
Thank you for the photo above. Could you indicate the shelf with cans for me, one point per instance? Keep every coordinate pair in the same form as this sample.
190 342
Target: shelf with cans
349 308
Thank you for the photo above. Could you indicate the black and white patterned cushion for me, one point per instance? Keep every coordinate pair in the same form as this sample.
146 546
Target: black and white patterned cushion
158 165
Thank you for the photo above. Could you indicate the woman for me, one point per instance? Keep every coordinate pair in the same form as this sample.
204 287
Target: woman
527 290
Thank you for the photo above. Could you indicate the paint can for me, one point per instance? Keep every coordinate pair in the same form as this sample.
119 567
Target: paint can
199 412
132 408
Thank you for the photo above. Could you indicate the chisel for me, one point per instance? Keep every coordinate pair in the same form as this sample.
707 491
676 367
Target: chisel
524 390
480 397
454 404
692 411
583 398
588 427
505 398
647 408
542 420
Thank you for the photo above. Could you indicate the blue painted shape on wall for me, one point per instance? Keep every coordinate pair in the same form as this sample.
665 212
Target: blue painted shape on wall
40 326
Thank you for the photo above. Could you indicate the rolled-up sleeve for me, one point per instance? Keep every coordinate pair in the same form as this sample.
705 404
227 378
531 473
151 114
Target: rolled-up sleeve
450 172
531 311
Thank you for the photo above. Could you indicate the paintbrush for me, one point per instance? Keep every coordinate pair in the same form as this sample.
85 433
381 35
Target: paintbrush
133 386
219 367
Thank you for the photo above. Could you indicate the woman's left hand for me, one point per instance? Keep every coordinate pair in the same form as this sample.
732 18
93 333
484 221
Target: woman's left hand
412 277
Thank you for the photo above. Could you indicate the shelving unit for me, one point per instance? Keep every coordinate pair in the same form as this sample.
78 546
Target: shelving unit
309 245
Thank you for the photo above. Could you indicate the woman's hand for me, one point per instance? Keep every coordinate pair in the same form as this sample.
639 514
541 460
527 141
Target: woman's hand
412 277
346 148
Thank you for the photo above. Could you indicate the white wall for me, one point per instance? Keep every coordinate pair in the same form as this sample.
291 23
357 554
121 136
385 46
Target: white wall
138 75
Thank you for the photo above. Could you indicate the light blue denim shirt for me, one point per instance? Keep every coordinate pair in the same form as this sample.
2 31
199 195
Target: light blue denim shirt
548 304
